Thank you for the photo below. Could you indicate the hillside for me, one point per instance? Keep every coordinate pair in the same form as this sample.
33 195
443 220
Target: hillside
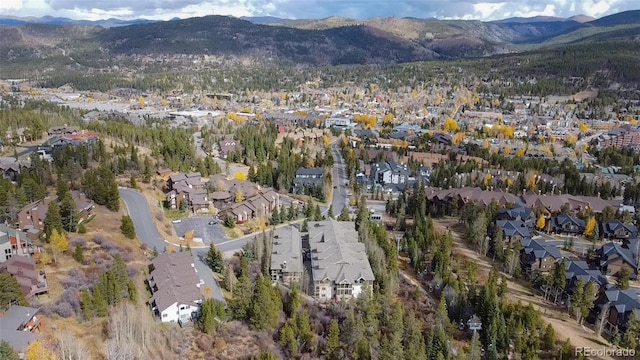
330 41
219 35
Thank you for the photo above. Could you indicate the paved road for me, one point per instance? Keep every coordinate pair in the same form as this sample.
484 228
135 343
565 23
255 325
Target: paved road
339 177
148 234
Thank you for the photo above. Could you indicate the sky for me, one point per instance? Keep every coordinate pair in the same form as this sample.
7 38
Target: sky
313 9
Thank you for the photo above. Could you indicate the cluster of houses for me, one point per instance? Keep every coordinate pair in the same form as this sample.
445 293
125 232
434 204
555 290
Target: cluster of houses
31 217
329 255
237 199
539 252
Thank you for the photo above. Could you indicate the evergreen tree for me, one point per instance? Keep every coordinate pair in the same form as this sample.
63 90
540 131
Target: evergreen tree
214 259
622 278
133 183
6 351
62 187
263 311
305 226
332 343
330 213
132 290
344 214
549 338
293 301
127 228
78 254
317 213
630 337
53 221
275 217
213 316
68 213
10 291
100 303
88 305
240 303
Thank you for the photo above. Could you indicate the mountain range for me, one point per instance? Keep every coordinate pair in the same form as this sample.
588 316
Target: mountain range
329 41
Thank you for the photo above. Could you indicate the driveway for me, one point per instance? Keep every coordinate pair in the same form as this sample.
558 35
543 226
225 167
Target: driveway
339 178
202 230
148 234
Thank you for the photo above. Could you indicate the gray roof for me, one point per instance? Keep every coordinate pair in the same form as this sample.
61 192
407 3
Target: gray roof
582 270
12 321
287 249
175 276
336 253
612 248
317 171
540 249
513 228
624 300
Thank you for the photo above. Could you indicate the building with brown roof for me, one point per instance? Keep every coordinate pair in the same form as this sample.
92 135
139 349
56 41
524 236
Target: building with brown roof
23 269
228 145
175 287
19 326
32 216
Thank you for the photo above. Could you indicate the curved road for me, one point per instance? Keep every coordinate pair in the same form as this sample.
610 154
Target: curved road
148 234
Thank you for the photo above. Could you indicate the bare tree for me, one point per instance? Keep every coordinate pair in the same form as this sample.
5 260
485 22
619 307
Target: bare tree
71 348
604 316
131 333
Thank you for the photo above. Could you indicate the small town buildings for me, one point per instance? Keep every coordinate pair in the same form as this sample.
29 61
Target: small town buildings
186 190
617 230
10 168
31 217
581 270
567 224
619 304
32 281
19 327
307 177
226 146
286 256
340 269
513 230
518 213
390 173
612 258
15 243
536 255
175 287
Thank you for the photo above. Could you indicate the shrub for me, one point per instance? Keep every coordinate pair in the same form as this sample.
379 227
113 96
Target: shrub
63 309
109 245
82 229
99 239
75 279
131 271
78 241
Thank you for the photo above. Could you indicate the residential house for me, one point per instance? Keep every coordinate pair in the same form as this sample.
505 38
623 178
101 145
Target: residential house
513 230
518 213
307 177
567 224
617 230
536 255
14 243
390 173
23 269
286 256
581 270
612 257
16 136
187 189
619 305
340 268
175 288
19 327
31 217
226 146
10 168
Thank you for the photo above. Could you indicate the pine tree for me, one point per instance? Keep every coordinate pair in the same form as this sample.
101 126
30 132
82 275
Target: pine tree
344 214
622 278
214 259
333 341
317 213
549 338
330 212
213 316
6 351
100 303
68 213
305 226
62 187
293 301
133 183
263 312
78 254
53 221
240 303
275 217
127 228
10 291
155 252
88 305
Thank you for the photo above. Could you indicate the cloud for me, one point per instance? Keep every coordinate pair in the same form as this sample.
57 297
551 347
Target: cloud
314 9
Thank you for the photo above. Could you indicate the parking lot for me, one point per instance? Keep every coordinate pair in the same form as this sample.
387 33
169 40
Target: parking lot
202 229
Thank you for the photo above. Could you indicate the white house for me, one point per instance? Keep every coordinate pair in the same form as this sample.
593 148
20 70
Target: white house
176 296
